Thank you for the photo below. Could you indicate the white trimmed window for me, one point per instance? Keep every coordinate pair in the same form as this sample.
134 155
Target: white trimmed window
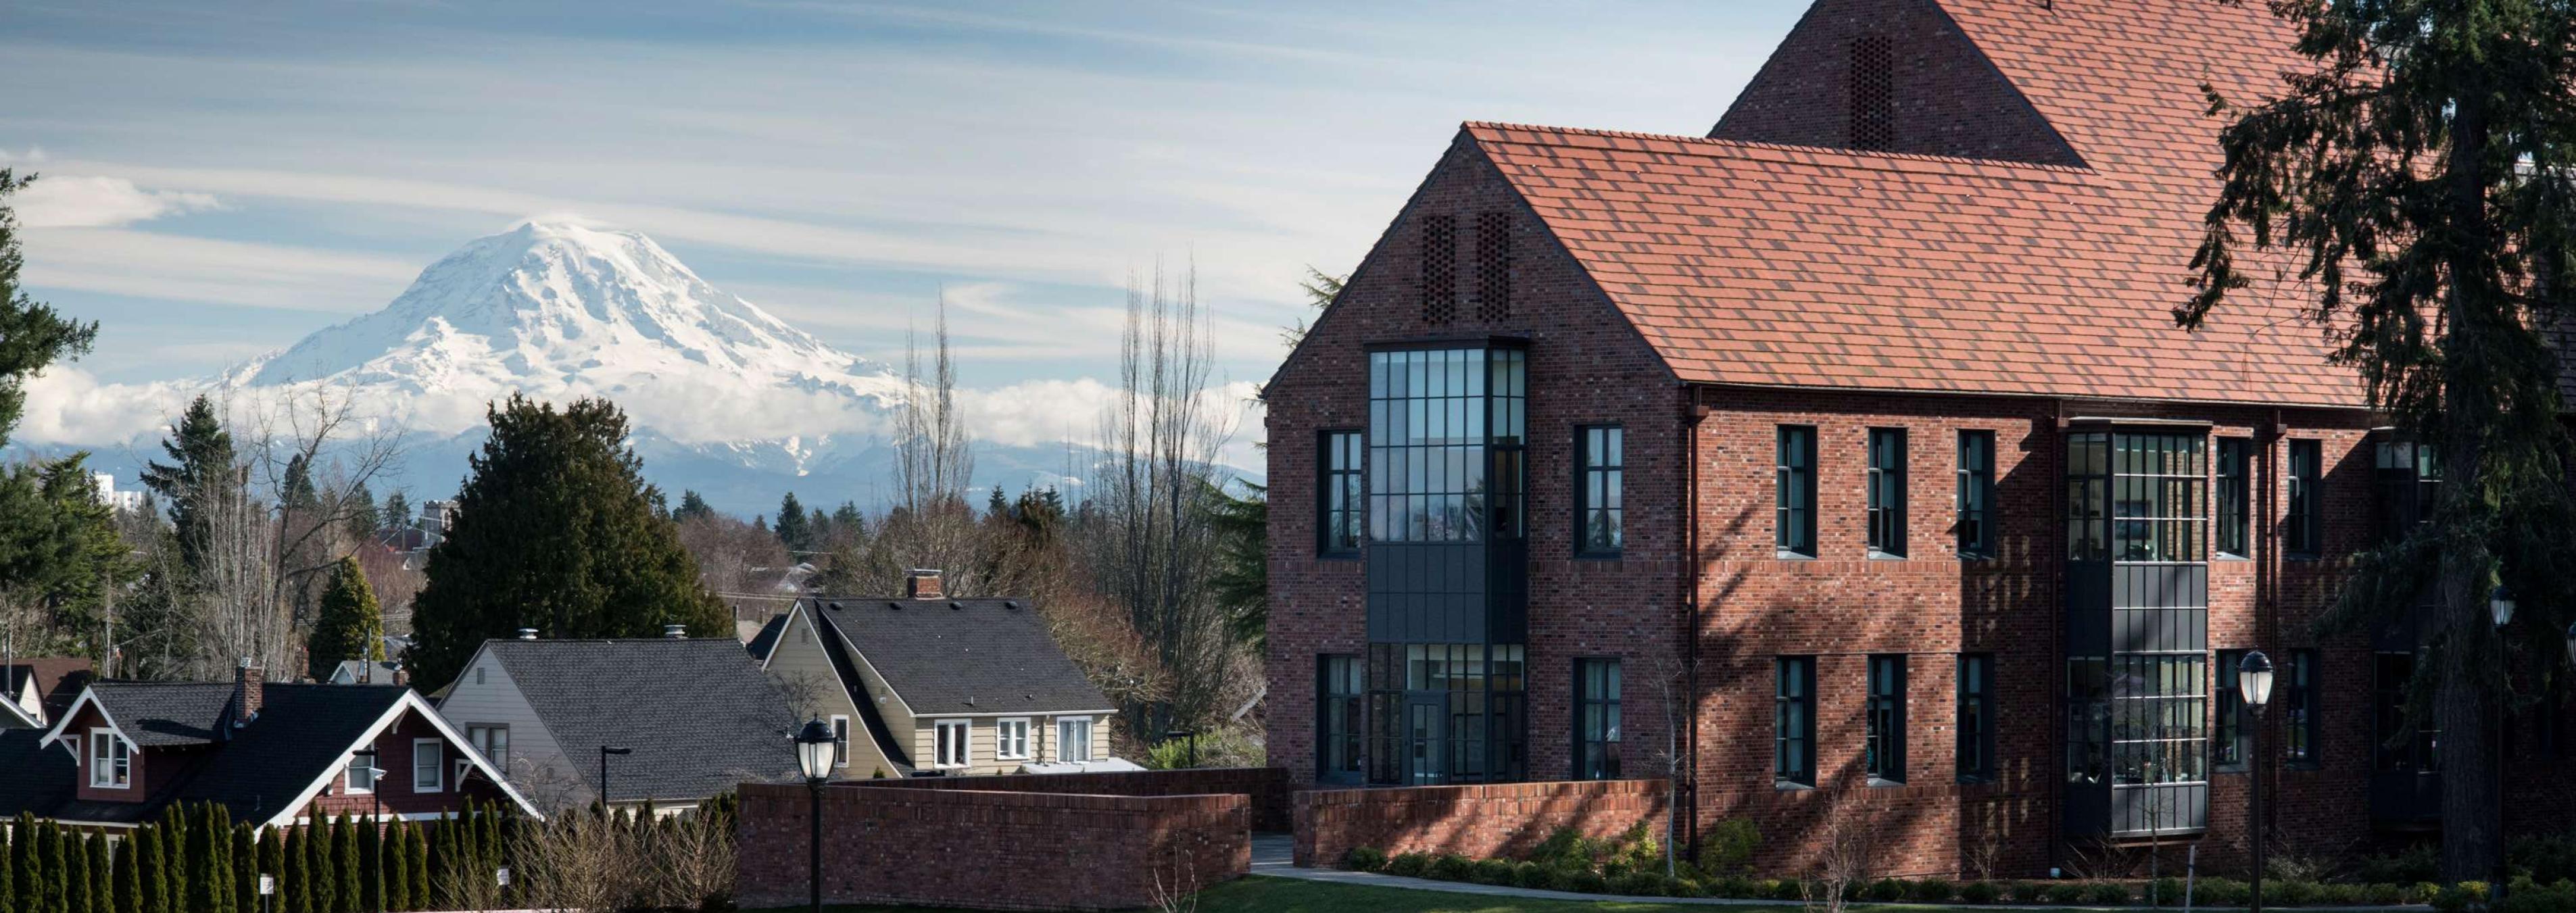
428 765
493 742
840 741
358 779
952 742
110 767
1073 739
1011 739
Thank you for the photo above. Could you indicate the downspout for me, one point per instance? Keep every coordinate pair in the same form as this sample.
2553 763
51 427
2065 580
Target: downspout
1692 415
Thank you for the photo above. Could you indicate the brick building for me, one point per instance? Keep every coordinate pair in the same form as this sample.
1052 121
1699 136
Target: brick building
1857 434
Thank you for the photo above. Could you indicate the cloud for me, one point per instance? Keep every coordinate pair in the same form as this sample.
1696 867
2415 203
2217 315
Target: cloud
145 264
78 201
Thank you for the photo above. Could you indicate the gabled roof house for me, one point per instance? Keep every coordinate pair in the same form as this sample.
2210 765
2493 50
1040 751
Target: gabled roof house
933 686
694 718
34 691
272 753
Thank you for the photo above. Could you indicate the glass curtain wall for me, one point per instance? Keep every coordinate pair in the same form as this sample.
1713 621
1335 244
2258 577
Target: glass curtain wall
2137 695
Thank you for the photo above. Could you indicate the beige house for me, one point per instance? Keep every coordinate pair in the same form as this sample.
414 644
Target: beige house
929 685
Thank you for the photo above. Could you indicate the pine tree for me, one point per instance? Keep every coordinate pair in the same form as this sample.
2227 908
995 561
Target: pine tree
556 531
126 872
207 892
348 625
32 335
175 861
76 880
350 874
691 508
296 491
793 528
396 514
57 869
203 470
417 847
364 518
370 865
243 870
397 869
294 892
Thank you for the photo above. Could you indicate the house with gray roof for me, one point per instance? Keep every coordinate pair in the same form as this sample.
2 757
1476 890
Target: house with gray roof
928 685
272 753
681 719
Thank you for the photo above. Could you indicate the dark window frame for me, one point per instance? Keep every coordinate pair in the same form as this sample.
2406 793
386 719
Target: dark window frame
1883 517
1332 670
1332 445
1883 748
2232 743
1793 722
2234 497
1976 498
2300 699
1976 718
1606 738
1793 518
1613 474
2303 530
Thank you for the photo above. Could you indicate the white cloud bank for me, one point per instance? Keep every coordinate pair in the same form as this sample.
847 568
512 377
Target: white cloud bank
81 201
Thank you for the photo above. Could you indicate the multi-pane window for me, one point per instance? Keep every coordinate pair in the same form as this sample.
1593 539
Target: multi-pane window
2303 533
840 741
360 777
1596 719
1443 713
2409 478
2235 742
1976 493
2295 693
1794 521
1339 697
1340 493
1011 739
110 764
2158 703
2401 742
2159 490
2235 497
952 738
1793 722
493 742
1976 717
1886 483
428 765
1445 445
1601 457
1884 755
2088 487
1073 739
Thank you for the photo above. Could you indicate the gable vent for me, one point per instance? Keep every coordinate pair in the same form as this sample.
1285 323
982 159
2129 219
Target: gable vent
1873 92
1439 269
1493 266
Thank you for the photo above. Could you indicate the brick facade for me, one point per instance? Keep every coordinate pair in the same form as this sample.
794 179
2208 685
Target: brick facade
988 850
1498 820
1265 788
1949 99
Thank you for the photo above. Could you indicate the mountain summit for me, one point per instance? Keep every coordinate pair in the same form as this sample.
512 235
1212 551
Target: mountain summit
550 308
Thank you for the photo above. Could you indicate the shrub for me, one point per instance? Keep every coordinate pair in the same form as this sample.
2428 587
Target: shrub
1885 890
1684 887
2549 858
1788 889
1536 877
1564 849
1638 884
2290 893
2066 893
2222 892
1364 859
1409 865
1980 892
2383 895
2166 892
2418 863
2339 895
1451 867
1728 848
2460 896
1584 882
2531 897
2424 891
1614 868
2027 891
2106 894
1931 890
1493 871
1736 886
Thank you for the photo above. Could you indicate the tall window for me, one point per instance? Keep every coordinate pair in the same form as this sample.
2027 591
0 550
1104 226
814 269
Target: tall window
1073 739
2398 744
2235 497
1596 721
1887 491
1337 717
1601 453
1011 739
2409 478
428 765
1793 722
840 741
2304 533
2298 707
1885 752
1795 520
1976 717
360 777
110 766
1339 492
1976 493
2158 705
1445 445
952 743
2235 723
493 742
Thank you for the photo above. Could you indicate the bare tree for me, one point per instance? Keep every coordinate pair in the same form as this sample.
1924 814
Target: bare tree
1848 858
931 524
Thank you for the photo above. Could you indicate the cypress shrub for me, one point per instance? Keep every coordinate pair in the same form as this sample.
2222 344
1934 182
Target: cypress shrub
76 879
29 885
268 858
50 867
152 889
320 892
204 891
349 875
418 848
174 857
397 869
128 894
102 881
8 872
293 892
245 870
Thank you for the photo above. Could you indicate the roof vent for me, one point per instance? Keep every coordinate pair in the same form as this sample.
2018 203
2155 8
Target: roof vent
675 632
1873 93
527 633
897 606
1011 604
957 605
836 605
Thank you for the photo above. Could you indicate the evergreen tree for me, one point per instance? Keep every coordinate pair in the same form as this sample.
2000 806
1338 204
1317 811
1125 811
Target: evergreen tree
243 871
847 522
128 878
321 891
365 520
150 867
996 507
348 626
349 874
396 514
102 877
174 857
691 508
8 873
793 528
76 880
2417 171
56 869
396 868
270 860
202 472
1241 582
556 531
418 850
296 491
32 335
294 894
370 866
59 551
206 890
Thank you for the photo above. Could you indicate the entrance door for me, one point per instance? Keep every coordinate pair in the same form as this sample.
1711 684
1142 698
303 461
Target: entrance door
1424 749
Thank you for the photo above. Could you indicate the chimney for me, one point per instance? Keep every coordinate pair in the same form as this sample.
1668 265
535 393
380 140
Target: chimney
248 691
527 633
923 584
675 632
402 676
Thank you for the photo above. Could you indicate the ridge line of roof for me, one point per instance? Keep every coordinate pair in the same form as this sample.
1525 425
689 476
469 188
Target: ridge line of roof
1782 151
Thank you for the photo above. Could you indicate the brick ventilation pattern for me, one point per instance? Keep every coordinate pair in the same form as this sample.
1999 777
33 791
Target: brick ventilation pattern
1506 819
1439 269
1873 92
1493 266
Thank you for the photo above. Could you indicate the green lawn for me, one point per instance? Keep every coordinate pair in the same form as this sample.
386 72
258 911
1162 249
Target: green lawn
1288 895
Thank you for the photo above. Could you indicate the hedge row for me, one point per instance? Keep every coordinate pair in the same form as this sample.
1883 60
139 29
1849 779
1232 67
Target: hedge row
196 859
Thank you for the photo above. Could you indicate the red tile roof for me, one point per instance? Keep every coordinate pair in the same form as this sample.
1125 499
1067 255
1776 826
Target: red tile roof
1746 263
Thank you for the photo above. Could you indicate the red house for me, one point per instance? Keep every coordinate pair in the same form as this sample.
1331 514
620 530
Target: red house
271 753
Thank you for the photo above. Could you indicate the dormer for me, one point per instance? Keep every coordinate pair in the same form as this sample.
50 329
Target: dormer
109 763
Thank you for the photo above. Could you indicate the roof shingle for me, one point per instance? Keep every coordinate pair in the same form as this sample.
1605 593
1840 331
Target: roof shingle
963 656
700 716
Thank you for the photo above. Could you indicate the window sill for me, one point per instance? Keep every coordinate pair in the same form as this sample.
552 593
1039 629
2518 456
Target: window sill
1876 555
1788 786
1877 783
1975 556
1786 555
2225 557
1976 780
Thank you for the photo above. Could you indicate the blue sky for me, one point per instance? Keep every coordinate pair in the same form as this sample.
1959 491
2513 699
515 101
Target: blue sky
228 177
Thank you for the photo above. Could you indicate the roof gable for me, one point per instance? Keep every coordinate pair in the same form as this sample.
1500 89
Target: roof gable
698 712
960 657
1945 96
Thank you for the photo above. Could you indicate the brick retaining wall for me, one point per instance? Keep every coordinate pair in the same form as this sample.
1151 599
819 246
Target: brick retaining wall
992 850
1478 821
1268 787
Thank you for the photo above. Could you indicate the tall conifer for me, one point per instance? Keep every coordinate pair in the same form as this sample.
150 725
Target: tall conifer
102 880
321 892
76 880
350 877
128 877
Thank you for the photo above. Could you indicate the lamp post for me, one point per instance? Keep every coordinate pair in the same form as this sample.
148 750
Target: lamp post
2500 605
604 752
375 798
2254 688
814 759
